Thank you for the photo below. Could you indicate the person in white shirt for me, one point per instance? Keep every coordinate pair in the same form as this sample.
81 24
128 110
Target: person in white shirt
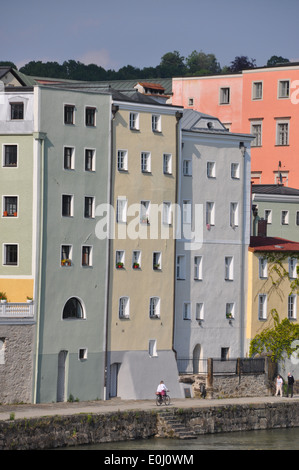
279 383
162 389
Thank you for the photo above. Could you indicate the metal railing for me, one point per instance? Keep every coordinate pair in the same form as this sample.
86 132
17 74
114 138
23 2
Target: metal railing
16 310
220 366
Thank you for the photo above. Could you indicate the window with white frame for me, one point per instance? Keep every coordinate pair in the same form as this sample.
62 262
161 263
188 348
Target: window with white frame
86 255
229 268
67 205
16 111
297 217
282 133
66 255
10 155
167 164
256 130
145 162
257 90
121 210
89 207
89 160
124 307
166 216
262 307
90 116
284 217
69 158
144 212
224 95
210 213
292 268
134 121
154 307
69 114
292 307
199 315
234 215
119 258
198 268
187 211
152 348
230 310
187 167
156 123
10 206
180 267
122 160
283 88
235 171
136 259
186 311
268 216
263 268
10 254
211 169
157 260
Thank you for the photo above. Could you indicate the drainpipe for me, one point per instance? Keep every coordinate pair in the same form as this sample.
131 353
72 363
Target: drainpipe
243 254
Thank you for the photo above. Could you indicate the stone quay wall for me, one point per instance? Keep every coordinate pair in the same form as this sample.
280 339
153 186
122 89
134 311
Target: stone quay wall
79 429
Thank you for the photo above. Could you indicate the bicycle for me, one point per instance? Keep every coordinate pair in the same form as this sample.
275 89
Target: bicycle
162 399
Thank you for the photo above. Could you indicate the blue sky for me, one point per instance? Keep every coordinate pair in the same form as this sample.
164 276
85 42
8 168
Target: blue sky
116 33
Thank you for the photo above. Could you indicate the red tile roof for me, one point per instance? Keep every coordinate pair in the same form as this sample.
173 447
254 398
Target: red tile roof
272 244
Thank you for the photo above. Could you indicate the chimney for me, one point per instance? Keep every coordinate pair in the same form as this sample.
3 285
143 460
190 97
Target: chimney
262 228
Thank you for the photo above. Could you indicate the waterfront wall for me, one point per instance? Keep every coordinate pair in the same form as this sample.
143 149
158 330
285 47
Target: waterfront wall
64 431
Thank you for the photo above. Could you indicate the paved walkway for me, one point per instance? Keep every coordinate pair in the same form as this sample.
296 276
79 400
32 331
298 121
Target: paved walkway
116 404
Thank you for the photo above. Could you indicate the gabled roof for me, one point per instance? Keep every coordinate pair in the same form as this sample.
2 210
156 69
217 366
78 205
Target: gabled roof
272 244
194 121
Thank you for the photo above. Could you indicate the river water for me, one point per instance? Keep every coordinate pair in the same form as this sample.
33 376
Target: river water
273 439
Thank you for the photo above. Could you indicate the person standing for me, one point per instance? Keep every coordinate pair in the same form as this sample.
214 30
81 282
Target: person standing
290 384
279 383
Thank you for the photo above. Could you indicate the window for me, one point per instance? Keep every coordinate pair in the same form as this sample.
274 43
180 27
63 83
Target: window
262 307
210 213
229 268
89 207
119 259
89 160
186 311
144 212
224 354
256 130
187 212
166 213
69 114
293 268
90 116
187 168
292 307
211 169
198 268
67 205
121 210
167 164
282 134
82 354
10 206
124 307
73 309
152 348
10 255
284 217
66 255
257 90
157 260
180 267
224 95
235 171
233 216
156 123
154 309
134 121
283 89
297 218
145 162
230 310
86 256
16 111
68 160
10 155
263 268
199 311
268 216
190 101
122 160
136 259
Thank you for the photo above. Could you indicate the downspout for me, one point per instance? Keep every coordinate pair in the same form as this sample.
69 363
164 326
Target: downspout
243 254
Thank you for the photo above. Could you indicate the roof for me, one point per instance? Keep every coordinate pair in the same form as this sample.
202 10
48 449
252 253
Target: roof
194 121
274 189
258 244
153 86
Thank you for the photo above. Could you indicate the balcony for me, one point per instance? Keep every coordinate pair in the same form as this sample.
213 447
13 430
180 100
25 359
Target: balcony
16 311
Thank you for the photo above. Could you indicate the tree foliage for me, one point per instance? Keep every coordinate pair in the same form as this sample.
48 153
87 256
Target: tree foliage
274 60
241 63
278 340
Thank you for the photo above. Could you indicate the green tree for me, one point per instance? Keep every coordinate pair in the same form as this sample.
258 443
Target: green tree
7 63
277 340
199 63
241 63
274 60
172 65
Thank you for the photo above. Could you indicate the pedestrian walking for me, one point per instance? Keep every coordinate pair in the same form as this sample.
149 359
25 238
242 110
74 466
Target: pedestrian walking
291 381
279 383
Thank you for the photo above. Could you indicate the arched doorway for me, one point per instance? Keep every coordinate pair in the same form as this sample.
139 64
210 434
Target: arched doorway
197 359
61 378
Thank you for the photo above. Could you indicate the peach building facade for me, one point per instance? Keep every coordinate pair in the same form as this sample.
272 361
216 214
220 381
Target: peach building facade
261 101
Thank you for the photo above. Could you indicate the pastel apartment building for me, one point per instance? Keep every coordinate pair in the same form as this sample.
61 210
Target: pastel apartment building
262 101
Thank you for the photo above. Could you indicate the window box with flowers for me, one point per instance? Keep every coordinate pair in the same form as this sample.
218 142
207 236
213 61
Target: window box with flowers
3 298
119 265
66 262
136 266
229 315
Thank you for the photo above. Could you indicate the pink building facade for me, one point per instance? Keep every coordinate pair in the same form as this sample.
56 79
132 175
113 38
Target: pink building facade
261 101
